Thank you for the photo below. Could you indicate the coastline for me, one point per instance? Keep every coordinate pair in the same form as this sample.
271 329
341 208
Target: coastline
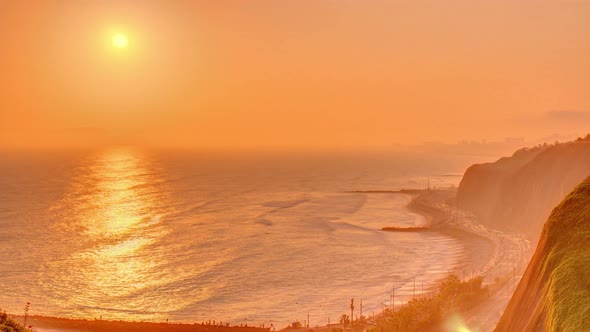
485 248
481 252
436 207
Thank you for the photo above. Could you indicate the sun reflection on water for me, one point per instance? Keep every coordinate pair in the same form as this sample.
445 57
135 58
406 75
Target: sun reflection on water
120 204
112 239
150 236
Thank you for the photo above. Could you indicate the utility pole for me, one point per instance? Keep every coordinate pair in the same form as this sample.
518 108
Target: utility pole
393 299
361 313
414 296
351 312
508 284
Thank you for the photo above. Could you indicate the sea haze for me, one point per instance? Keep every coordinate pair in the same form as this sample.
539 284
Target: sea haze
234 237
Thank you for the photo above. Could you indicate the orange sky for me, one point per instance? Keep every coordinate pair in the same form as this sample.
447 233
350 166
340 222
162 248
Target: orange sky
306 73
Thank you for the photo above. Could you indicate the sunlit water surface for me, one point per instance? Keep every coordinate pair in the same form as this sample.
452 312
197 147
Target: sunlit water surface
131 235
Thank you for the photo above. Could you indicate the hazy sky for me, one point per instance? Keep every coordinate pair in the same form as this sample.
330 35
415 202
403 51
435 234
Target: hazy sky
291 73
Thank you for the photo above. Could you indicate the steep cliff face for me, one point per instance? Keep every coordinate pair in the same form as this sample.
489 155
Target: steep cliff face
518 192
554 292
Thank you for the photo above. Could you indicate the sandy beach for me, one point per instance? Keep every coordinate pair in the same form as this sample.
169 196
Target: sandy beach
436 207
486 249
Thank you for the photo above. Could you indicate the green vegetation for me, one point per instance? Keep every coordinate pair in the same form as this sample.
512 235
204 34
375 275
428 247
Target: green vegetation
429 313
568 286
554 293
544 146
9 325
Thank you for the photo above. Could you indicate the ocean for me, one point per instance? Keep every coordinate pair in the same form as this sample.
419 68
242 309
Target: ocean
238 237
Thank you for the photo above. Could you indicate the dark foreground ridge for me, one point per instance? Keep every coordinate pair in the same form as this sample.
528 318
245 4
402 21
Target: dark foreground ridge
84 325
554 293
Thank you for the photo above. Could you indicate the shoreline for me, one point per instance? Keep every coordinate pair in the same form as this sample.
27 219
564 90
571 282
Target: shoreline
479 248
483 247
435 205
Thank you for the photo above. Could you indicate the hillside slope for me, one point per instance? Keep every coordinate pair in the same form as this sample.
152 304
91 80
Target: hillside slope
518 192
554 292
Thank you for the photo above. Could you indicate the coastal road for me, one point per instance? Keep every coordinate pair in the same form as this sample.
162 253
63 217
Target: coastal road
485 317
505 267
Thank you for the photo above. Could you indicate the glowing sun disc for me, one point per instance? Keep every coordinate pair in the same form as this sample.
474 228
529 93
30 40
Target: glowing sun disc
120 40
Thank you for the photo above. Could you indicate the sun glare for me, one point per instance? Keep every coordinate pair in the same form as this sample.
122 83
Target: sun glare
120 40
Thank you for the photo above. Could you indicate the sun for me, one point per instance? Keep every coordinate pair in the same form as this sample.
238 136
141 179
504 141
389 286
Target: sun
120 40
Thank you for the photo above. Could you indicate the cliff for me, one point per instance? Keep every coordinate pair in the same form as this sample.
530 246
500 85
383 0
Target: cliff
517 193
554 292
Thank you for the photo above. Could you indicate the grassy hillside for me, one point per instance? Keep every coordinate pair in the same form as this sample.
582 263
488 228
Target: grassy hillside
554 293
